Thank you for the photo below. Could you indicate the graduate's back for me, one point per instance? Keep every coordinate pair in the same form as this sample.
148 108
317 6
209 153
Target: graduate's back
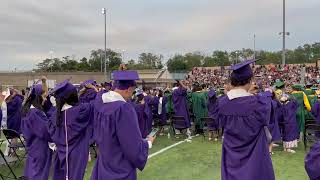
245 152
116 132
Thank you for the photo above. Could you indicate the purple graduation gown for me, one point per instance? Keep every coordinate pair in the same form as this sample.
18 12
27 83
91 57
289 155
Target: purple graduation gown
212 112
51 112
14 108
79 124
163 116
180 105
34 130
149 102
245 153
315 110
0 117
312 162
121 147
88 96
142 115
273 123
291 130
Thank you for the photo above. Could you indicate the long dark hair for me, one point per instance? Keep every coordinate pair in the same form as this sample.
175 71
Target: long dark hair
71 99
160 93
35 100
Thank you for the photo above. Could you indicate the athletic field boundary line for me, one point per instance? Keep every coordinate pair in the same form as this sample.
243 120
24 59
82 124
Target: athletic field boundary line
167 148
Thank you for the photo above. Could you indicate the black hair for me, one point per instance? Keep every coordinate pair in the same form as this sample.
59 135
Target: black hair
35 100
213 99
204 86
236 83
160 93
71 99
145 88
23 92
139 98
197 88
273 95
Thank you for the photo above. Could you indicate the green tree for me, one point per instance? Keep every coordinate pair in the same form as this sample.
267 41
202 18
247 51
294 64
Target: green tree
56 65
209 62
45 65
177 63
221 58
84 64
114 59
193 60
150 61
69 64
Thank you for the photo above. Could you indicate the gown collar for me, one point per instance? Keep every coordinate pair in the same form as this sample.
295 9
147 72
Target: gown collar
112 96
237 93
65 107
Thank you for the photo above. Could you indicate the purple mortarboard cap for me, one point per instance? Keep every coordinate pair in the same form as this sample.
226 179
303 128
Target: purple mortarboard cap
37 89
124 79
89 81
211 93
242 71
108 84
63 89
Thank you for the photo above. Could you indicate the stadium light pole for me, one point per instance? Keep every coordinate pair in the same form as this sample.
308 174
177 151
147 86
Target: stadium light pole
104 12
51 53
254 46
284 34
123 51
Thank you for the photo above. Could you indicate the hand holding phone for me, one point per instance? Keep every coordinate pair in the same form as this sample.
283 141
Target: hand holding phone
153 133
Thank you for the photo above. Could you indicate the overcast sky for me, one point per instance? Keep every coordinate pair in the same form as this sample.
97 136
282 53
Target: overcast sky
30 29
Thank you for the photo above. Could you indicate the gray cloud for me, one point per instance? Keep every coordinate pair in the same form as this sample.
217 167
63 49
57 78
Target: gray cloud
30 29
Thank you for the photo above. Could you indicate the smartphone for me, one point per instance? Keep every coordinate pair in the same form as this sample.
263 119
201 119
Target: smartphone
153 132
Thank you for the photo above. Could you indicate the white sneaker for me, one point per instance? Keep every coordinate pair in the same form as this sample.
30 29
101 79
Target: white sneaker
290 151
275 145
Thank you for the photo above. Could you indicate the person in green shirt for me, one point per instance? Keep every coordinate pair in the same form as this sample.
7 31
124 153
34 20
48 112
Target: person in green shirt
169 105
308 90
199 108
303 105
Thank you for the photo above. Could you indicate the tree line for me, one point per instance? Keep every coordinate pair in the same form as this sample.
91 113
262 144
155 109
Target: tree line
96 62
307 53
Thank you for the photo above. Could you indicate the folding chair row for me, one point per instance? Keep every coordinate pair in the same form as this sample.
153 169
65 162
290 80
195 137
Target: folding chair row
311 131
11 136
178 123
6 161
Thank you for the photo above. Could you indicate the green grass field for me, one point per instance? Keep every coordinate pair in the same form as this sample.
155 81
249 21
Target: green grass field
200 160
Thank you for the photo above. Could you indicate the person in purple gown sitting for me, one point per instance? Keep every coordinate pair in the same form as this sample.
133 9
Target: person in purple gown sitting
122 149
245 118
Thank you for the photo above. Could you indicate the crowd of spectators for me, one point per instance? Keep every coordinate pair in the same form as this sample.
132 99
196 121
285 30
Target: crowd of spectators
266 75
